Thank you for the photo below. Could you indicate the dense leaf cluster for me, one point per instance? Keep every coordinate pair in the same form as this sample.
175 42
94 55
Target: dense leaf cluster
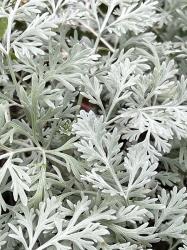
93 124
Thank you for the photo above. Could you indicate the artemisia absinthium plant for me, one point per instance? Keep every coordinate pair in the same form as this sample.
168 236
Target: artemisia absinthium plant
93 124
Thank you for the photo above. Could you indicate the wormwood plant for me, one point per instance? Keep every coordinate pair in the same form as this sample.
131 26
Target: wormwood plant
93 124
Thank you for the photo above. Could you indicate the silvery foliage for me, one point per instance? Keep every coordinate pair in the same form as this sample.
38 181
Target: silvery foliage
111 178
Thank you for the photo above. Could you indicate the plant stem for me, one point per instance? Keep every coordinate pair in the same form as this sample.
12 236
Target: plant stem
22 150
52 133
114 102
10 22
175 245
109 11
14 80
144 109
101 38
